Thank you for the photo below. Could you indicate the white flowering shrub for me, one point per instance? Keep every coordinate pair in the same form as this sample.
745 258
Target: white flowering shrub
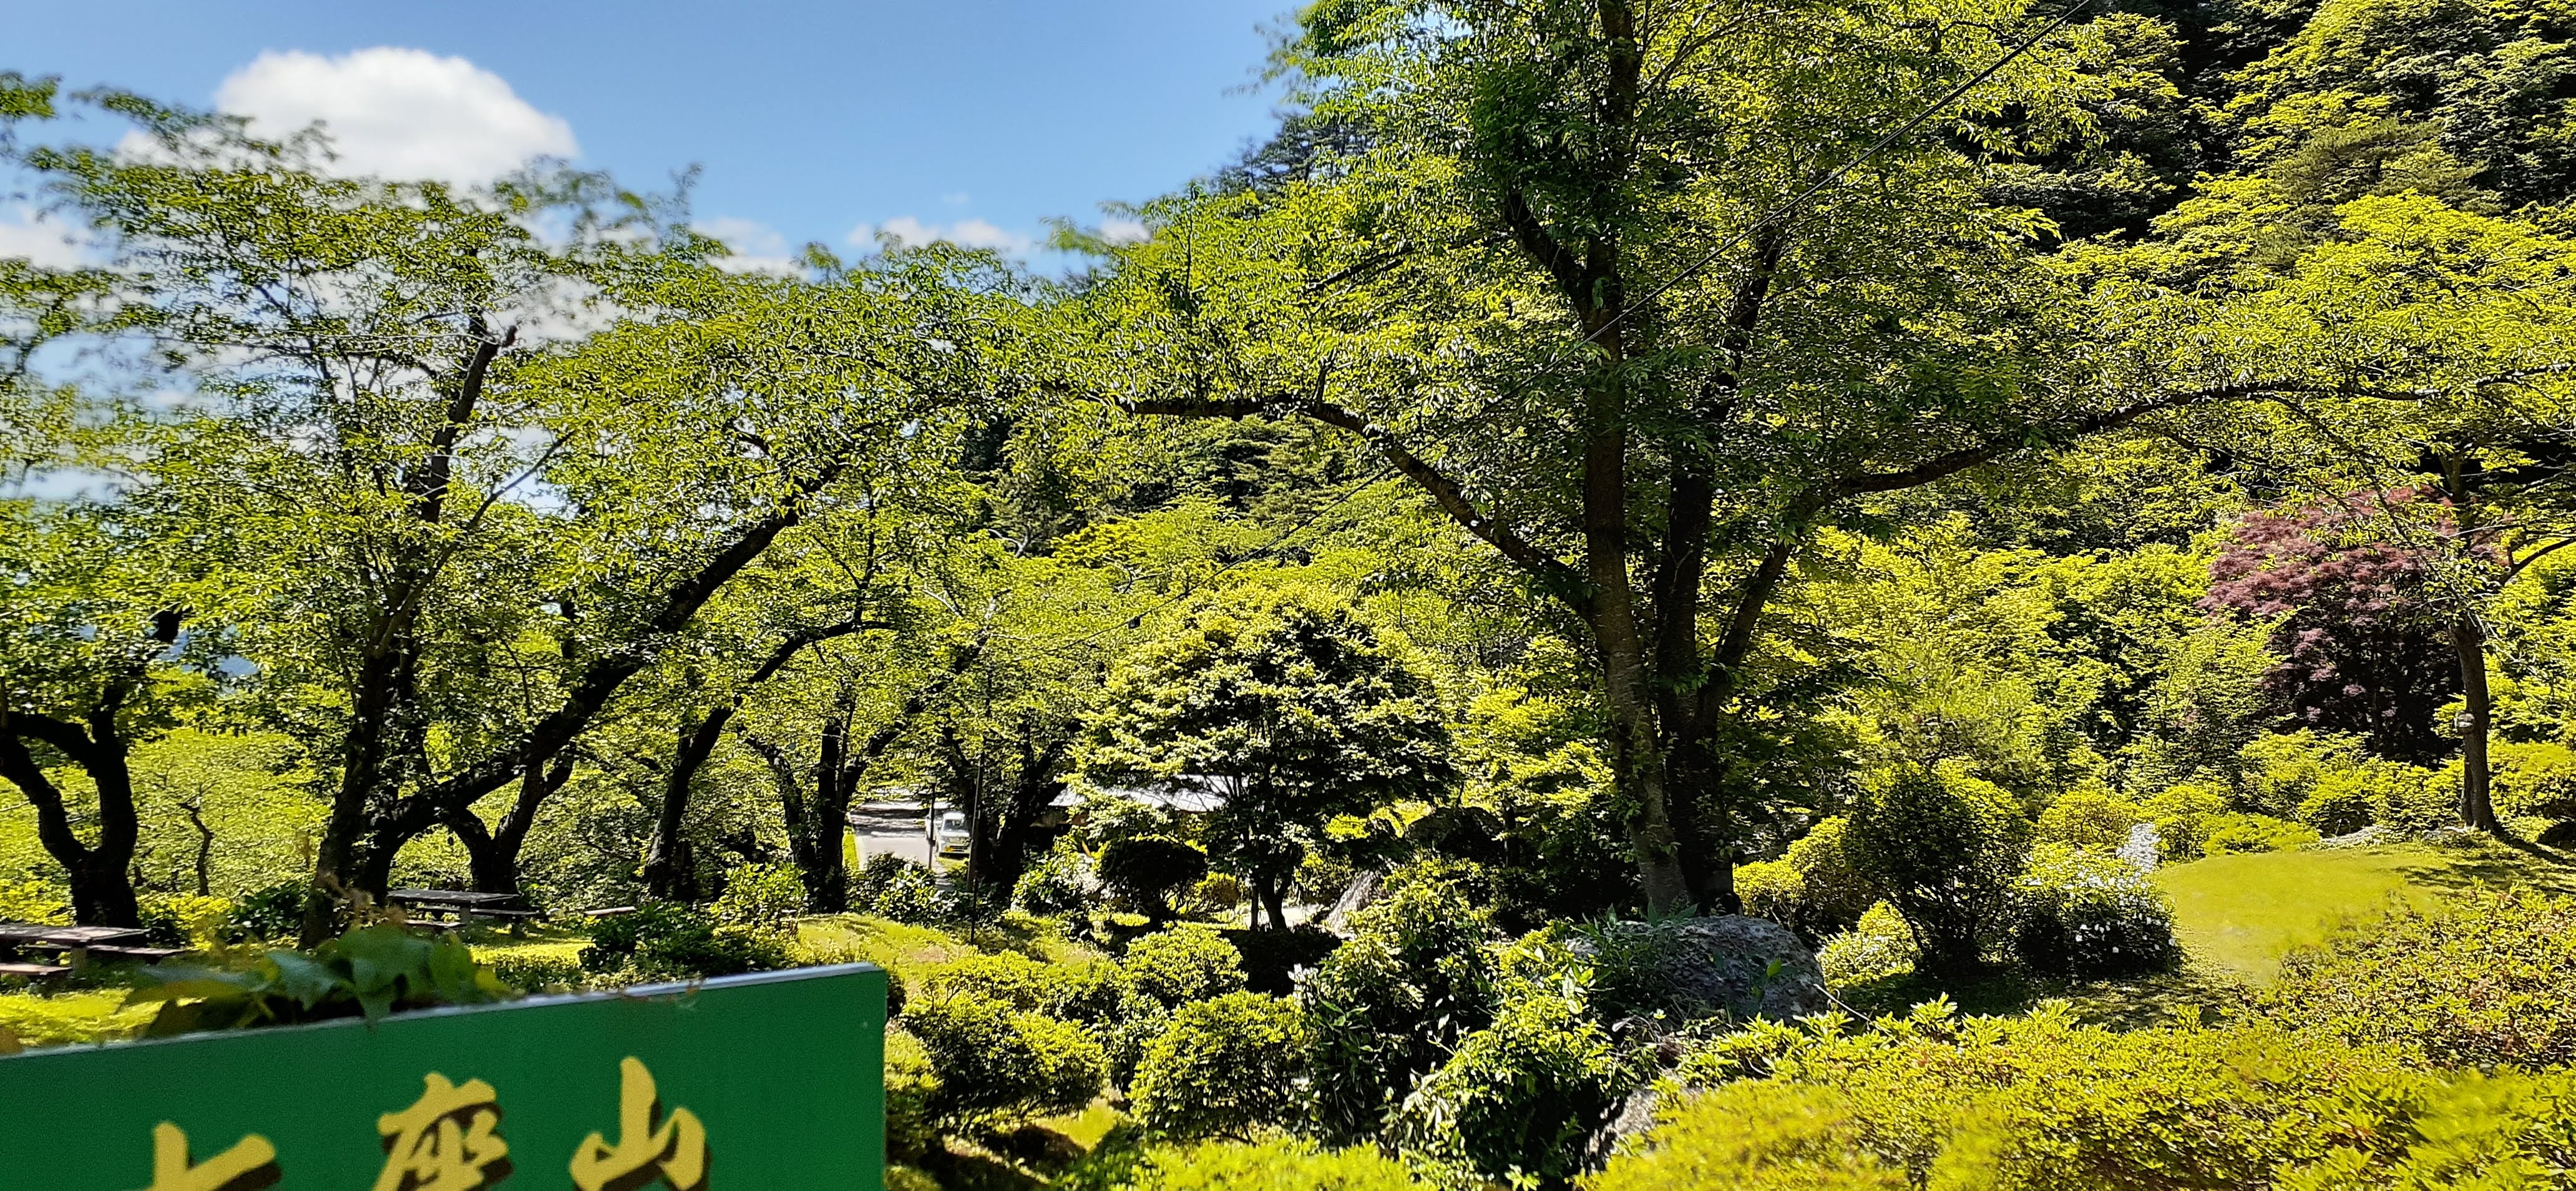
2080 914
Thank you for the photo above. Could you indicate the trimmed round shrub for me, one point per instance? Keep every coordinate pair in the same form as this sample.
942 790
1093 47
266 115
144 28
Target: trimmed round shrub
996 1063
908 894
1058 885
1771 889
1813 888
2236 832
1220 1068
1217 894
2092 819
1006 976
1521 1096
1145 869
668 941
1879 947
2181 814
1284 1164
1945 847
2080 914
2487 980
1183 964
1091 991
183 919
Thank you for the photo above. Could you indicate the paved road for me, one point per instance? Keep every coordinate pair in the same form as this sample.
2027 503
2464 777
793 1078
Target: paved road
890 827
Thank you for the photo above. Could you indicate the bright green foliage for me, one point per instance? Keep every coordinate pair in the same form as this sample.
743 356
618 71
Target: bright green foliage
73 1017
1521 1096
1935 1100
762 897
892 887
1812 888
33 901
1005 976
372 971
2182 814
540 973
2206 704
1223 1067
1281 1165
2490 980
2089 818
2089 915
1298 700
1183 964
994 1062
912 1092
1771 889
2534 780
2282 770
1943 847
185 920
2387 793
1878 947
2243 832
1390 1003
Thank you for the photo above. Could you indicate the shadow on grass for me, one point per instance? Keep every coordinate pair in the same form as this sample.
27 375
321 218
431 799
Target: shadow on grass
2136 1002
2474 863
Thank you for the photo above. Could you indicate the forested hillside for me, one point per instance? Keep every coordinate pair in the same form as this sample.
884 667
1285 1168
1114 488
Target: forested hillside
1862 496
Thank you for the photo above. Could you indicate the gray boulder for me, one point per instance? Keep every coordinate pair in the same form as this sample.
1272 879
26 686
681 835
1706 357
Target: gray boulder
1691 968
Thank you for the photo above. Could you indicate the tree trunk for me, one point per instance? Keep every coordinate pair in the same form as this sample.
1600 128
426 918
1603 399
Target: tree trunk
102 885
205 846
1273 895
666 873
2477 807
337 862
493 852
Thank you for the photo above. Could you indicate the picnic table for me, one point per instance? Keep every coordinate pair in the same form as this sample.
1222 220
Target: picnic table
77 945
460 906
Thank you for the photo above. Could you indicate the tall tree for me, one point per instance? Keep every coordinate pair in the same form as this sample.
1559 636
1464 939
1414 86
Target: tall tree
422 474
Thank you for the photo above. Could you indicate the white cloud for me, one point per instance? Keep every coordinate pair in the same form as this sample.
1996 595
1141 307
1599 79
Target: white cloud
757 247
33 235
965 233
1125 231
399 112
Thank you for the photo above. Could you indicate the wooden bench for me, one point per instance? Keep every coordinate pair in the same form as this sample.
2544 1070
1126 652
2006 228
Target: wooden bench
33 971
152 955
608 911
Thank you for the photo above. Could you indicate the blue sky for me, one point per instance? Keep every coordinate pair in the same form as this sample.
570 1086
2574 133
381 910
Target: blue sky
973 118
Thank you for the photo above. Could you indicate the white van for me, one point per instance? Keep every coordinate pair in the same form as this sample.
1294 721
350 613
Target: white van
949 835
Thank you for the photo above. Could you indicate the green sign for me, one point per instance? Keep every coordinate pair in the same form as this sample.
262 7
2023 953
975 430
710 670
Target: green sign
750 1083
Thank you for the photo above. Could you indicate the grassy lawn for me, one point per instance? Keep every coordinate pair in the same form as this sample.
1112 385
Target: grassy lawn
2239 914
96 1015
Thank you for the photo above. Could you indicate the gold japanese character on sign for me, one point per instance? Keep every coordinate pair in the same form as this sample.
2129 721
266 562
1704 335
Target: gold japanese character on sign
675 1151
249 1165
445 1140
